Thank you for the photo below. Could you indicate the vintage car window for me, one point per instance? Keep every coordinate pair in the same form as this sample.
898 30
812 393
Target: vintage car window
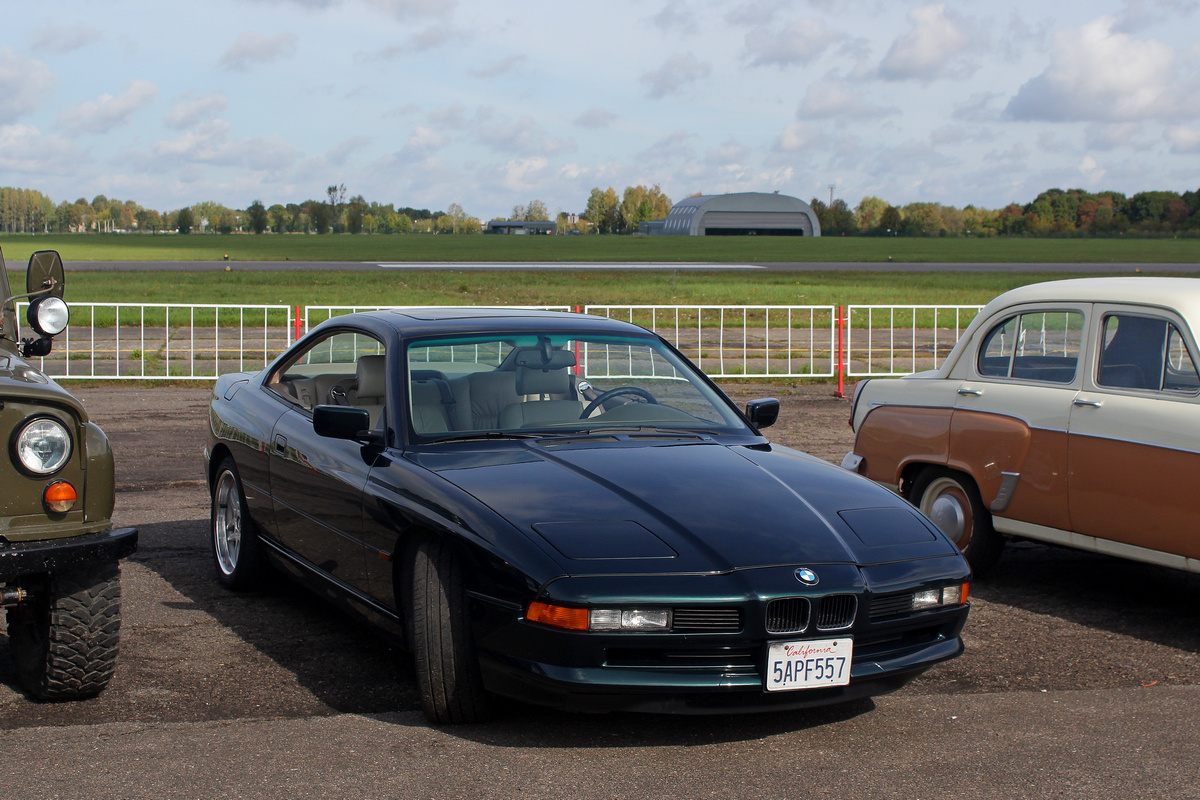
554 382
1145 353
328 372
1037 346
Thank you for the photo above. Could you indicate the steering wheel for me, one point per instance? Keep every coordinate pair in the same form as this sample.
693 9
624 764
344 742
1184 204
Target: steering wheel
611 393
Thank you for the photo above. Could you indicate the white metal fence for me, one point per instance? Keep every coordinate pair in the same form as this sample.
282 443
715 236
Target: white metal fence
166 341
897 340
743 341
147 341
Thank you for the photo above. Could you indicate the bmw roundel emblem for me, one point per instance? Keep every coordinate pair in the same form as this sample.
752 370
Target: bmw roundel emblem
806 576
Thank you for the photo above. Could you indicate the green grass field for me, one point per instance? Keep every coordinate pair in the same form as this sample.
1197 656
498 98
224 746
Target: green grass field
725 249
450 287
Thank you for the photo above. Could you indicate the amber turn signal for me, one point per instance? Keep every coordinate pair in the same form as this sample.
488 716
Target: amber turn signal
59 496
573 619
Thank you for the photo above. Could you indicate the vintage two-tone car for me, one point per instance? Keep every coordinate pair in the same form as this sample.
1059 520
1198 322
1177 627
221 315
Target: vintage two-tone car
560 508
59 553
1066 413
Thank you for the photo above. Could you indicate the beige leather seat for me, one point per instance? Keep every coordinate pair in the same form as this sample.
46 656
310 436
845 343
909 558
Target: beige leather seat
371 388
538 382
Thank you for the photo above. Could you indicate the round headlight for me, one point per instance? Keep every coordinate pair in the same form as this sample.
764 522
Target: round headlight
49 316
43 445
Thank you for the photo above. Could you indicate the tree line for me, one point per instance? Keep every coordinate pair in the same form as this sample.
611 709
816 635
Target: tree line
1054 212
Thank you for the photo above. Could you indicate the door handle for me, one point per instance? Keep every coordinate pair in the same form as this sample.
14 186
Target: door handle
1088 403
280 444
971 392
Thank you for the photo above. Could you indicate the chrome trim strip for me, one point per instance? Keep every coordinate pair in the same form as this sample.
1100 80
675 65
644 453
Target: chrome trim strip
1093 544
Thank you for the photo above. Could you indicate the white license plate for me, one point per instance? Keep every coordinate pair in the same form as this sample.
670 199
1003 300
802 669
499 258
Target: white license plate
808 664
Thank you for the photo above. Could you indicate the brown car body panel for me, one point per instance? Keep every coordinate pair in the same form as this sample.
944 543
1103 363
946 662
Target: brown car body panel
896 440
1116 486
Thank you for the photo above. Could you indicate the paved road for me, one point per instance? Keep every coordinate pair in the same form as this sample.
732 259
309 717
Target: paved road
794 266
1081 680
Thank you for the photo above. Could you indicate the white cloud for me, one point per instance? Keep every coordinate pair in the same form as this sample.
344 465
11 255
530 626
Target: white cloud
832 100
107 112
1099 74
23 149
65 38
523 136
189 112
675 75
525 175
23 81
1112 136
930 48
424 140
253 47
343 150
413 9
678 16
501 67
799 43
210 143
1184 140
595 118
1091 171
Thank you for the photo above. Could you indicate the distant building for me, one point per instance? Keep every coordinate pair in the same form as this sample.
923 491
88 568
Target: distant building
520 227
741 214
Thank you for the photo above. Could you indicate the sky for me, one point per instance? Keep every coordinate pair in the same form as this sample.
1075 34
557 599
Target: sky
425 103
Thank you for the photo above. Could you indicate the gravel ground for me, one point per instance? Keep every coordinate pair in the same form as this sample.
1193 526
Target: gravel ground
1049 619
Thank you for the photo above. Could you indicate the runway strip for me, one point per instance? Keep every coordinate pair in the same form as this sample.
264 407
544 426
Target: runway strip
571 265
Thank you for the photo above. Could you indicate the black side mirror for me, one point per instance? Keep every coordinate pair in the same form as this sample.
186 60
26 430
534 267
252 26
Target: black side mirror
343 422
763 412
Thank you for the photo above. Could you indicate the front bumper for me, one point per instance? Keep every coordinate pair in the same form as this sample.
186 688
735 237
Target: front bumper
606 689
57 555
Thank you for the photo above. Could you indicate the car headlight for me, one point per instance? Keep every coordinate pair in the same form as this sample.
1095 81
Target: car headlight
626 620
42 445
935 598
48 316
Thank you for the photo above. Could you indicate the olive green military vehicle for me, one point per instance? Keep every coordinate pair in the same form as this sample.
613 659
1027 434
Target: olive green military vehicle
59 553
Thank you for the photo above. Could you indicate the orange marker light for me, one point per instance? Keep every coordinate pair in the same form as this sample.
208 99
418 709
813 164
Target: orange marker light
574 619
59 496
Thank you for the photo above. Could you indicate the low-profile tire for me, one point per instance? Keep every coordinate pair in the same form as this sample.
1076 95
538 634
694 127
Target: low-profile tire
447 668
237 552
64 638
952 501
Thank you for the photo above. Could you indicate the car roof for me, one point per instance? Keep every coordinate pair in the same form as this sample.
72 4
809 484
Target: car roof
421 321
1182 294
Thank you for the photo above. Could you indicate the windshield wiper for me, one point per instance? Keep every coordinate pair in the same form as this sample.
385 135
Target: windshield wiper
482 435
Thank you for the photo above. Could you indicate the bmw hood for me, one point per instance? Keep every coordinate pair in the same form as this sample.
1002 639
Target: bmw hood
697 507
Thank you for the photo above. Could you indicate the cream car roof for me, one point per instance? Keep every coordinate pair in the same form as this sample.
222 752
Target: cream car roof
1180 294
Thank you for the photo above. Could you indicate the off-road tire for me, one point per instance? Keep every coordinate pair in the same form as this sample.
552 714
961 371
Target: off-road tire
64 638
447 668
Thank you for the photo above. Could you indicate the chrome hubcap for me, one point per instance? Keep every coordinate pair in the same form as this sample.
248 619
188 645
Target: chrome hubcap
945 502
227 523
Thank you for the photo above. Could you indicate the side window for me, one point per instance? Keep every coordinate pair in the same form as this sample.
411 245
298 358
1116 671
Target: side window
343 368
1144 353
1036 346
995 357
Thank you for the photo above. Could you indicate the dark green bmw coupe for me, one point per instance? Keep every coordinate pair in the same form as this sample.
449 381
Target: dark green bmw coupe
561 509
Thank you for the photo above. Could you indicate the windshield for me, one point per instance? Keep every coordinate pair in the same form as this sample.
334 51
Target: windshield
552 383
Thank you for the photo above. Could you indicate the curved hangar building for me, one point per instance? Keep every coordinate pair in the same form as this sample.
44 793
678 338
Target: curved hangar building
742 214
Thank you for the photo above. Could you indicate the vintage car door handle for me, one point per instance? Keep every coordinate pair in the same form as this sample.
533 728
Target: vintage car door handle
280 444
1090 403
971 392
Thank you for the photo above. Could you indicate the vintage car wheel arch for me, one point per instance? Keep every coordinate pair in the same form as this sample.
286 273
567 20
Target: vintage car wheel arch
951 500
